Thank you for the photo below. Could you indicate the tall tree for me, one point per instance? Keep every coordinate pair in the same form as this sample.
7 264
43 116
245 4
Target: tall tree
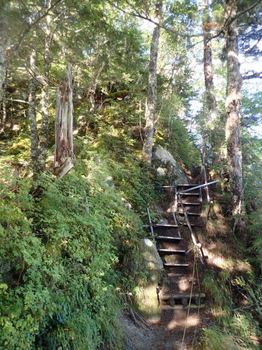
233 99
48 35
3 46
151 102
211 104
64 152
2 57
32 115
210 99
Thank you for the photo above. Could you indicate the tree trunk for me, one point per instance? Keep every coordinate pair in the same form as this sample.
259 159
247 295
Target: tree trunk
233 99
94 80
2 67
210 99
32 116
3 45
151 102
2 54
43 134
64 152
208 68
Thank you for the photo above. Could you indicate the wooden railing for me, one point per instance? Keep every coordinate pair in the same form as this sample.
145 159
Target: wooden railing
199 186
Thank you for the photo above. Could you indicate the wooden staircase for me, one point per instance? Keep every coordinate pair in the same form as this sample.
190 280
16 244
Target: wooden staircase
180 289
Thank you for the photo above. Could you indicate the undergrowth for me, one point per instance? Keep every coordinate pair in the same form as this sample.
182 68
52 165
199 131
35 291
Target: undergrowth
234 292
69 251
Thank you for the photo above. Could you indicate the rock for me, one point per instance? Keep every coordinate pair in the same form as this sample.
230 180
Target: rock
151 256
146 296
167 164
109 182
127 204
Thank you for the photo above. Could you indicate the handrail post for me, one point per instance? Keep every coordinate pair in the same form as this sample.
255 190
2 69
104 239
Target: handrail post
150 222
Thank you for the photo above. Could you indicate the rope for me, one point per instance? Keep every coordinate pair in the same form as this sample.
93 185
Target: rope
198 308
189 304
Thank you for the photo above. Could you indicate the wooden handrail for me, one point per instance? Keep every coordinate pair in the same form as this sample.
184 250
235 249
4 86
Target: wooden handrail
199 186
197 244
195 241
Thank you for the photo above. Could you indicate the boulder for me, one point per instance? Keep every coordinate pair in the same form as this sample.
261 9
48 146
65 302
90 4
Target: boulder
151 256
146 296
166 165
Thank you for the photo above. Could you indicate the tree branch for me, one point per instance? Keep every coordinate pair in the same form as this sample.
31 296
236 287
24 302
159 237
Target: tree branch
252 75
30 26
249 51
228 22
241 13
147 18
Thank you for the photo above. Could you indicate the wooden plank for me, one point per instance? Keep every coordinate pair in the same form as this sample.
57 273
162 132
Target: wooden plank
190 203
171 251
182 307
190 194
176 265
183 296
168 238
162 226
186 185
189 214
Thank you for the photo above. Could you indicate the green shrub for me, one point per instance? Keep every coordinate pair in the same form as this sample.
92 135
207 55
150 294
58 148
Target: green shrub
68 247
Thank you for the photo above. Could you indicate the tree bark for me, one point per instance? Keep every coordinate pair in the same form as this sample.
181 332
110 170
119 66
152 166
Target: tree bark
233 99
94 80
64 152
210 99
151 102
43 134
32 116
2 54
208 67
2 67
3 45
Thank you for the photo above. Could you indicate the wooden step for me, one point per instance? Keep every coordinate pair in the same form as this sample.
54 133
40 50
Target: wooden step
182 307
193 225
189 203
176 265
187 185
171 251
177 296
162 226
184 224
189 214
175 274
168 238
193 194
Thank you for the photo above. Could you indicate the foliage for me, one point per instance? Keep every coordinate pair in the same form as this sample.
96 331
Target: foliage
217 285
235 327
66 245
180 142
70 247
